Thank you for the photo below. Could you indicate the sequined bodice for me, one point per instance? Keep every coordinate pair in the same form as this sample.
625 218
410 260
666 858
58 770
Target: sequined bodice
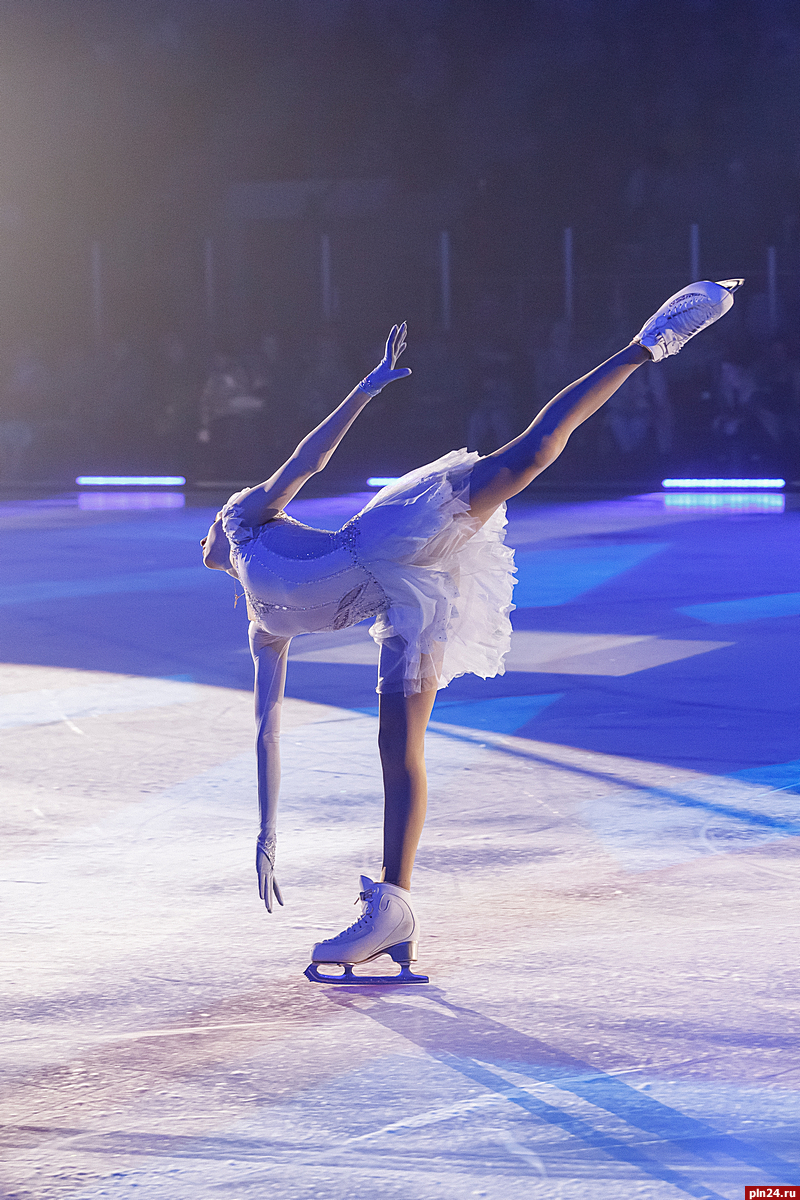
303 580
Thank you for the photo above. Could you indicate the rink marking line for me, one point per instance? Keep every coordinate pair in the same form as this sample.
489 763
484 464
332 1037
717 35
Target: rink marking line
432 1117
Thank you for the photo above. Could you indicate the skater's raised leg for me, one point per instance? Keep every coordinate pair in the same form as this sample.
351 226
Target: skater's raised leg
511 468
503 474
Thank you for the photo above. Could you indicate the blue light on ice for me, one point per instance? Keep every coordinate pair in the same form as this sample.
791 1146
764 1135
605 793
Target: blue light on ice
130 480
100 501
561 574
501 714
738 501
168 579
749 608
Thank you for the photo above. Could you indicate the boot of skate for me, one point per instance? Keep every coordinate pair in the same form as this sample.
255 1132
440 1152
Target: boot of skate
387 925
682 316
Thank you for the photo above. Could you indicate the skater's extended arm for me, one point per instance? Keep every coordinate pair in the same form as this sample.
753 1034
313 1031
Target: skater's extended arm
269 655
261 503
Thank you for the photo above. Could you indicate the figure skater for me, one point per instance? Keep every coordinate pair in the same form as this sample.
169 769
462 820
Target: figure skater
426 560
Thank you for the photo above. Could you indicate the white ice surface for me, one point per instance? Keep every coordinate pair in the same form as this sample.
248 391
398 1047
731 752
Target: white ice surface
46 705
577 1037
613 1007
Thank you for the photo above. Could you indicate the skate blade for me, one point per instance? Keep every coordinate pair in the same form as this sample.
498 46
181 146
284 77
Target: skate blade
730 285
405 975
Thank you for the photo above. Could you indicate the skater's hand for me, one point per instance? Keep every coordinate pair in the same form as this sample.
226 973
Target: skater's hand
386 370
265 869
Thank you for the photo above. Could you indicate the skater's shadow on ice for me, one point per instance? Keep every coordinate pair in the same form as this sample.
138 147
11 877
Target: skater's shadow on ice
540 1078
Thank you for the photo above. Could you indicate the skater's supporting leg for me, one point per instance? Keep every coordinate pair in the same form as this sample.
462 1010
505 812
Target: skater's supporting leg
401 741
511 468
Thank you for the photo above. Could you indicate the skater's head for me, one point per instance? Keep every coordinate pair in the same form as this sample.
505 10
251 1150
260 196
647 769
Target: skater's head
216 548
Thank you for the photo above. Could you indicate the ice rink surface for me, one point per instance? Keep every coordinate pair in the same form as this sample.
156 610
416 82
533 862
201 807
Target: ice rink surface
607 884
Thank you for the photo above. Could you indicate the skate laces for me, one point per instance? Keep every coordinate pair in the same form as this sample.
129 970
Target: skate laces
690 312
366 898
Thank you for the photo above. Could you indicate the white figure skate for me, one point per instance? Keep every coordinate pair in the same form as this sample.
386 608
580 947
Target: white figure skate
387 925
687 312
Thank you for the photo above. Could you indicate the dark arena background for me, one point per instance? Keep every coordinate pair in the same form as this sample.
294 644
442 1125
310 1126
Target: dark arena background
211 213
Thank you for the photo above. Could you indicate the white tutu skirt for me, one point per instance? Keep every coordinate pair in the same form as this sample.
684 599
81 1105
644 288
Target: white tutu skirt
448 580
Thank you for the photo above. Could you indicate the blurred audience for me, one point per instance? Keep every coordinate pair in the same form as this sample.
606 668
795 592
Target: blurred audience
176 386
325 374
122 433
232 423
26 392
160 410
493 422
638 424
736 433
776 397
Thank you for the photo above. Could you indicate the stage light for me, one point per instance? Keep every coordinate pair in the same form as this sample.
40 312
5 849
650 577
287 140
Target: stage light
380 481
723 483
130 480
735 501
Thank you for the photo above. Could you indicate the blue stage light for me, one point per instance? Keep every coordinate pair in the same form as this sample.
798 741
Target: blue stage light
723 483
380 481
130 480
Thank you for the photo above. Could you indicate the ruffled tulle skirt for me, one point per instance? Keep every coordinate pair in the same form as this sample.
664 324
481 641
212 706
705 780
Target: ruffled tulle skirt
448 580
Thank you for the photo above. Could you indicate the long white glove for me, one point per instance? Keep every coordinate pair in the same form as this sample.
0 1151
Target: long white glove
269 655
385 372
265 870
